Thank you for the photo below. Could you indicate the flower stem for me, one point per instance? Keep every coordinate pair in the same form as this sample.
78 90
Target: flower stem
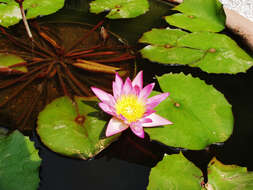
29 33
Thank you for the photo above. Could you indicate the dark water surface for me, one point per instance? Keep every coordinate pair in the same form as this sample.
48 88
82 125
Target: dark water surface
59 173
126 164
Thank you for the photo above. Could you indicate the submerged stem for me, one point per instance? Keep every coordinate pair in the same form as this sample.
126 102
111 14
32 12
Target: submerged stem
14 94
62 84
12 82
81 86
22 120
85 36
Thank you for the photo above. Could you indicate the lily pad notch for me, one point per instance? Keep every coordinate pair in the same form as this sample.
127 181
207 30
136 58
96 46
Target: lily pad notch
65 132
200 114
188 176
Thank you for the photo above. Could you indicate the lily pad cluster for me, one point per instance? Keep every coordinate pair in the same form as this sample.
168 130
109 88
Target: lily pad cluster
10 13
188 176
211 52
174 46
201 115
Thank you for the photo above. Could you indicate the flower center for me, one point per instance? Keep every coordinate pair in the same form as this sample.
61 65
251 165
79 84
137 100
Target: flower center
130 107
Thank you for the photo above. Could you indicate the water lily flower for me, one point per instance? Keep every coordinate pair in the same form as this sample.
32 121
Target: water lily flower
130 106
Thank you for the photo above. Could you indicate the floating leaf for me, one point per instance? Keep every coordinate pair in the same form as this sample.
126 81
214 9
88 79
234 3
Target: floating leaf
175 172
223 56
197 49
59 129
201 115
227 177
7 60
120 8
176 55
19 163
162 37
164 49
199 15
10 12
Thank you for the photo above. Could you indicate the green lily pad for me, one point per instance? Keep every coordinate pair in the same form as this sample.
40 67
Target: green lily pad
199 15
175 172
162 37
59 131
19 163
7 60
200 114
120 8
3 132
218 54
164 49
227 177
10 13
176 55
223 55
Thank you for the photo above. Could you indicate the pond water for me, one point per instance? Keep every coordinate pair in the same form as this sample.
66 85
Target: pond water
126 164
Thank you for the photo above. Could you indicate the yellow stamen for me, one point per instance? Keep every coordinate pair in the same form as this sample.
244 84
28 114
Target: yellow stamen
131 107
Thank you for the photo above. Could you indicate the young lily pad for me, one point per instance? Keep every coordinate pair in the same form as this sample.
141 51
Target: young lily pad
10 12
199 15
175 172
120 8
61 130
19 163
170 46
200 114
7 60
227 177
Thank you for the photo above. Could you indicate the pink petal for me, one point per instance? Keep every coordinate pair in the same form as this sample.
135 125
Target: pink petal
104 96
138 80
155 100
115 126
122 118
145 120
127 88
156 121
117 86
116 90
136 90
107 108
145 92
148 112
137 129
